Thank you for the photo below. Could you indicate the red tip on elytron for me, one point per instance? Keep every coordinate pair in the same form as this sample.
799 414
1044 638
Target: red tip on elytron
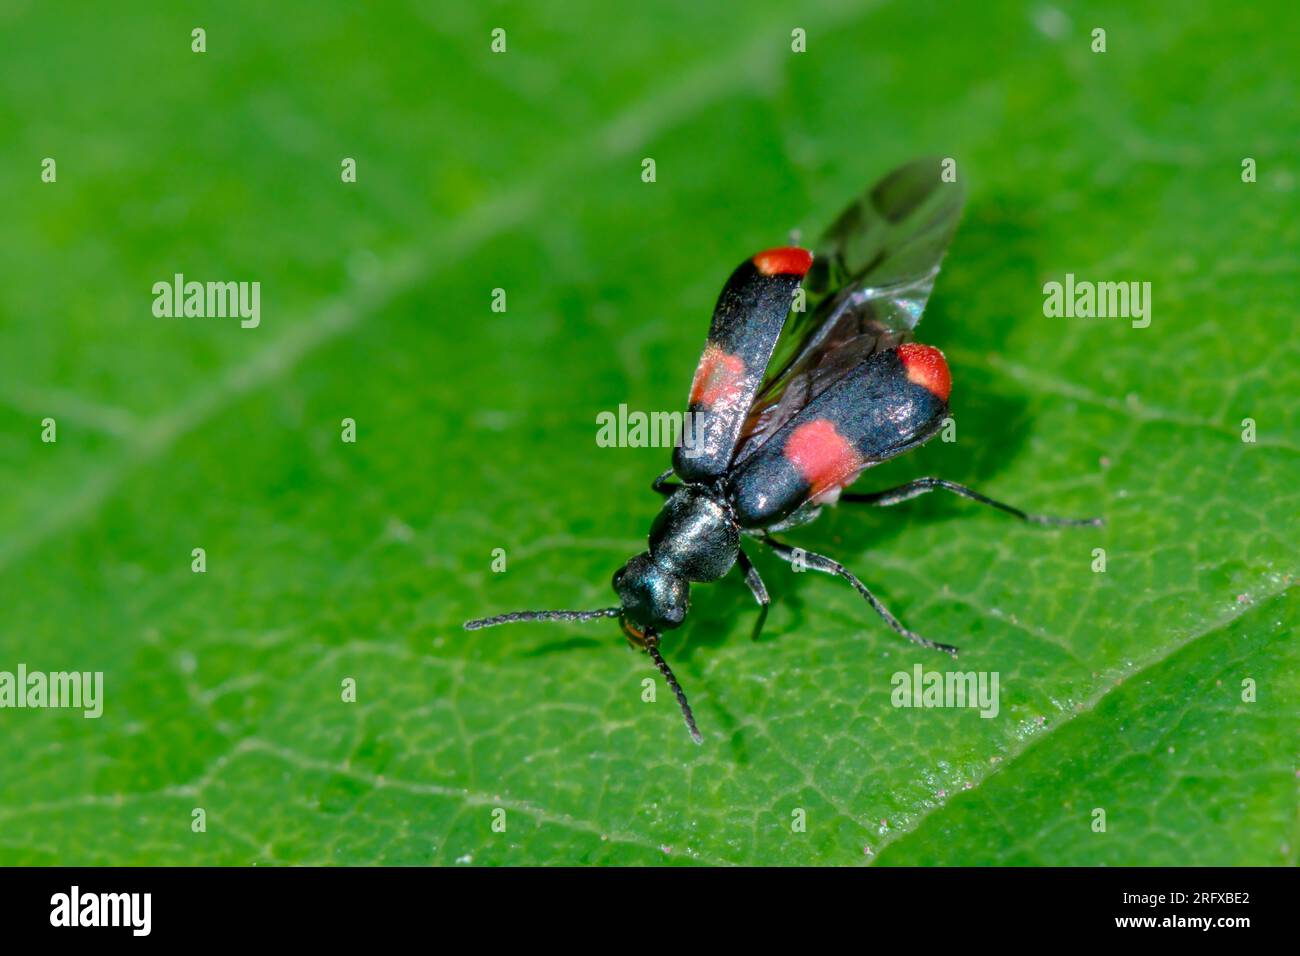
788 260
926 367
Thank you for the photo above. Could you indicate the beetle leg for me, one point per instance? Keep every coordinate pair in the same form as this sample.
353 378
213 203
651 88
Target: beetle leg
663 485
756 587
913 489
819 562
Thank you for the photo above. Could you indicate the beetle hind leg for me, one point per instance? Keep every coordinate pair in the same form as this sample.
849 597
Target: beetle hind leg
921 486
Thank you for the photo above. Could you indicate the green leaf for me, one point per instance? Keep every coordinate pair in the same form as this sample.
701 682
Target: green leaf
1127 690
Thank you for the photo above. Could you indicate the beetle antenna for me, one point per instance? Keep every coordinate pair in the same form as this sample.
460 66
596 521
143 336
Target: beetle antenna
542 616
652 647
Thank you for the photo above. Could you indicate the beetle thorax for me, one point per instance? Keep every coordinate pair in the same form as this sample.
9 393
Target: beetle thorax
695 535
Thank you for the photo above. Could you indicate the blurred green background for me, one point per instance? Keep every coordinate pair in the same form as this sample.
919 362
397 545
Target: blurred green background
326 561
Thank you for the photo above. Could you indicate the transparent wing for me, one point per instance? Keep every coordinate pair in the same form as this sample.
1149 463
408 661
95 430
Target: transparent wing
871 276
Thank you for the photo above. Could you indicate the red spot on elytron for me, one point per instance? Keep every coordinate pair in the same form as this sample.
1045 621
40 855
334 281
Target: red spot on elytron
926 367
718 378
788 260
824 457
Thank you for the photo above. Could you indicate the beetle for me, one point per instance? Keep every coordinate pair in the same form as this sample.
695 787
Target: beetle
809 377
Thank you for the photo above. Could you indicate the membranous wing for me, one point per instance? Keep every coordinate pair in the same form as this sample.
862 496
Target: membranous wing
747 323
870 279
